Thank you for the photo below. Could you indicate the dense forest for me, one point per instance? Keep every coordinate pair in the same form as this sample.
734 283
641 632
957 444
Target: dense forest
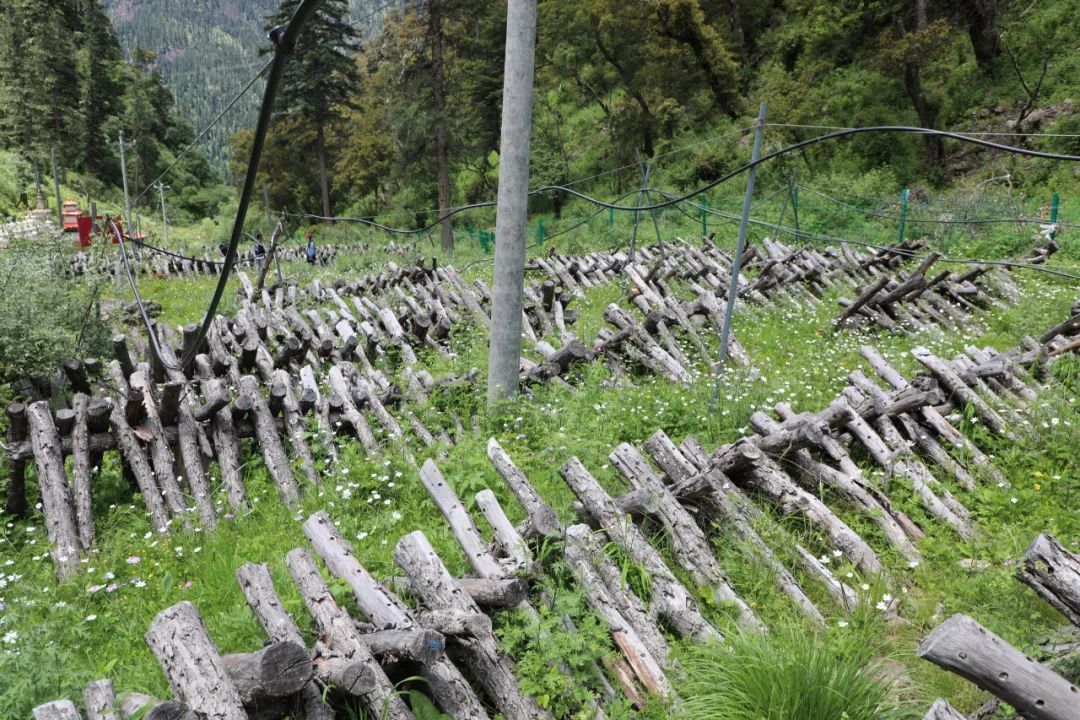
65 87
207 51
619 80
397 104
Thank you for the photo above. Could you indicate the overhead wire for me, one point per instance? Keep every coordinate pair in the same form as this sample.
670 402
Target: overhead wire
797 232
205 130
284 40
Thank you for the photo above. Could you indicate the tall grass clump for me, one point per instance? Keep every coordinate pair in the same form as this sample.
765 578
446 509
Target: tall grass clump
786 676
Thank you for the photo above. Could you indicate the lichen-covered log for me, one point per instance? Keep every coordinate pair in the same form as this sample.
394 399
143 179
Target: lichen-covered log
277 463
57 710
941 710
963 646
542 519
274 671
99 698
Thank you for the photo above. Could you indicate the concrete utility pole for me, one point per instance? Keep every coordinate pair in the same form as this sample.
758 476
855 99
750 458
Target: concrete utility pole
162 187
507 294
123 176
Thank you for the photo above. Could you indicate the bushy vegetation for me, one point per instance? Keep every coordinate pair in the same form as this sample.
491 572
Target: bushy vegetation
48 318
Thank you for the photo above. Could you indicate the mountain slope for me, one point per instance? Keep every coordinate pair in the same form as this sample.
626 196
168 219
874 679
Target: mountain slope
207 50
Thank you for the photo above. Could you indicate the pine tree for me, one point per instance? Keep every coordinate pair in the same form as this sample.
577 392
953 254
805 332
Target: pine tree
321 75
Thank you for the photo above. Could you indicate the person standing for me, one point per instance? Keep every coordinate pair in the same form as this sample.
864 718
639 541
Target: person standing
310 249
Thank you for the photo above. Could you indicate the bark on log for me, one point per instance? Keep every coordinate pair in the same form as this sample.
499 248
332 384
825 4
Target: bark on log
542 519
642 655
15 499
462 525
192 663
963 394
135 459
58 505
493 670
490 594
161 457
80 471
674 602
942 710
277 463
451 691
511 543
295 426
99 698
276 670
1054 573
57 710
963 646
339 641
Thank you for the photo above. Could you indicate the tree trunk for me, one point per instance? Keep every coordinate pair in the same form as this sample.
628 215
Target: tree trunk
438 81
926 111
981 16
56 499
504 354
324 181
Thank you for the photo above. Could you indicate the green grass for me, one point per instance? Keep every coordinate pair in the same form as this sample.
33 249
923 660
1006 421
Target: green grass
49 646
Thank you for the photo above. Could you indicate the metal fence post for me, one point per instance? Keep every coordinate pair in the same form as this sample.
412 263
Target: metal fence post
903 215
733 284
1054 202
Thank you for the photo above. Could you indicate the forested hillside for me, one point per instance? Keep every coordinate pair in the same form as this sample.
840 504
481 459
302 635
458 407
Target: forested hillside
206 52
618 79
65 87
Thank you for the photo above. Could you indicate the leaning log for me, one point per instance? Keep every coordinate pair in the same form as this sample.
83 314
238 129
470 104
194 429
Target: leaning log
493 670
963 646
1054 573
56 496
192 663
274 671
942 710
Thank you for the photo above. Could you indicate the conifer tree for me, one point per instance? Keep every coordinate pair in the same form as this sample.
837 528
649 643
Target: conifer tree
320 77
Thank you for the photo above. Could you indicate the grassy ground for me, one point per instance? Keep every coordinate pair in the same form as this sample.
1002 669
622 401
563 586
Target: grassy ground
56 637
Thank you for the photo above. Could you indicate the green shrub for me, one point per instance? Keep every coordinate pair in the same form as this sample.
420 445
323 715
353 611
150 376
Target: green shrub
788 676
49 318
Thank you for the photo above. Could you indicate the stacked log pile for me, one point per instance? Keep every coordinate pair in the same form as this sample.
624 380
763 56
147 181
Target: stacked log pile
915 302
688 491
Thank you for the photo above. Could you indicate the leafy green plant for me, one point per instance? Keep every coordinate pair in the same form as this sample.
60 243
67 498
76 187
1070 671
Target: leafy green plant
787 676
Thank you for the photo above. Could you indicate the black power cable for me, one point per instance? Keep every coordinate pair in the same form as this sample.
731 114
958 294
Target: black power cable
284 39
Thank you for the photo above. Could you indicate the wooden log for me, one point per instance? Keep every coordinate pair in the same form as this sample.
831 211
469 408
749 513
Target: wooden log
491 594
963 646
493 670
146 707
76 375
542 521
673 601
942 710
455 623
862 300
295 427
340 640
15 497
120 351
350 412
169 405
464 529
277 463
1054 573
226 449
767 478
510 541
192 664
56 499
161 457
274 671
687 539
645 657
57 710
188 433
844 596
385 610
961 392
135 459
80 471
99 698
